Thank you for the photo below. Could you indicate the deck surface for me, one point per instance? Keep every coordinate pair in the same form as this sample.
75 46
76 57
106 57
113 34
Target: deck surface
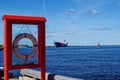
13 79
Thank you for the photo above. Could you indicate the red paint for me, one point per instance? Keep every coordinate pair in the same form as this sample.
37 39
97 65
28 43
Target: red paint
8 21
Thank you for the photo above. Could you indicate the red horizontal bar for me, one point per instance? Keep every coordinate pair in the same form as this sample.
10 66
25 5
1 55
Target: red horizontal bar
24 66
13 17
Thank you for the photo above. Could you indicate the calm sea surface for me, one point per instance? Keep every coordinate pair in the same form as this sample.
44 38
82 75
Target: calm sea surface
85 62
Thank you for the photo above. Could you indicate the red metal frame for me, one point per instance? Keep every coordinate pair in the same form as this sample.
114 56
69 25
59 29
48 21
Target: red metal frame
8 21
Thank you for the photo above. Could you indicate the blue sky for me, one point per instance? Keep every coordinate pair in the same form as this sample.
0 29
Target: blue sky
80 22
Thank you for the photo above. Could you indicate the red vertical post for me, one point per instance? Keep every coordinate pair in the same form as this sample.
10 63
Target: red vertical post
7 47
5 51
42 29
41 48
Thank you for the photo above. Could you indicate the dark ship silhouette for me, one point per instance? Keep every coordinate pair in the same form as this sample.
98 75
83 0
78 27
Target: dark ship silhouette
61 44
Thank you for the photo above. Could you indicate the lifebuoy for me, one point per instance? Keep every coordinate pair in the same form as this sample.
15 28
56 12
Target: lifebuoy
15 46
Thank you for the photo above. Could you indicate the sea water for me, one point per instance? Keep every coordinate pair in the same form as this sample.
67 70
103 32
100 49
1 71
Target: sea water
84 62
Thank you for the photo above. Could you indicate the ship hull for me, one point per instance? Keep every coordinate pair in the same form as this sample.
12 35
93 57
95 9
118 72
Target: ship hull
59 44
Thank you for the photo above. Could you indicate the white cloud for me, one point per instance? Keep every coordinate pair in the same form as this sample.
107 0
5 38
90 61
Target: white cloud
85 6
70 33
100 28
95 12
70 11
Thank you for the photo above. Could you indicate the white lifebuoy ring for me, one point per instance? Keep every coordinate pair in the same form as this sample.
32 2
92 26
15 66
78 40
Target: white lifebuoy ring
15 46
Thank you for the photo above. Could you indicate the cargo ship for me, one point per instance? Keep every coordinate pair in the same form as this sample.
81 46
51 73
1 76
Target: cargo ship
61 44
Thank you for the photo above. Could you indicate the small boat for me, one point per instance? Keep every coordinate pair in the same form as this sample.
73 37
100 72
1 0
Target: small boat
98 46
61 44
1 49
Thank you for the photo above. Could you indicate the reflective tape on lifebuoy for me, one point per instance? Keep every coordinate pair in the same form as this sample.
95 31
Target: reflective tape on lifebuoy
15 46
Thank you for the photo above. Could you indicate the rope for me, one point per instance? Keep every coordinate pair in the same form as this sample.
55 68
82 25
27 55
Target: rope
20 30
44 8
29 29
44 14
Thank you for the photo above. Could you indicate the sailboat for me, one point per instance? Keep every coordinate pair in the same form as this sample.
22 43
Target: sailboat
98 45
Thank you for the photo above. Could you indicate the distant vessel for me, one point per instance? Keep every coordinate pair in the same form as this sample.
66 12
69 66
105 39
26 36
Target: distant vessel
1 49
98 46
61 44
